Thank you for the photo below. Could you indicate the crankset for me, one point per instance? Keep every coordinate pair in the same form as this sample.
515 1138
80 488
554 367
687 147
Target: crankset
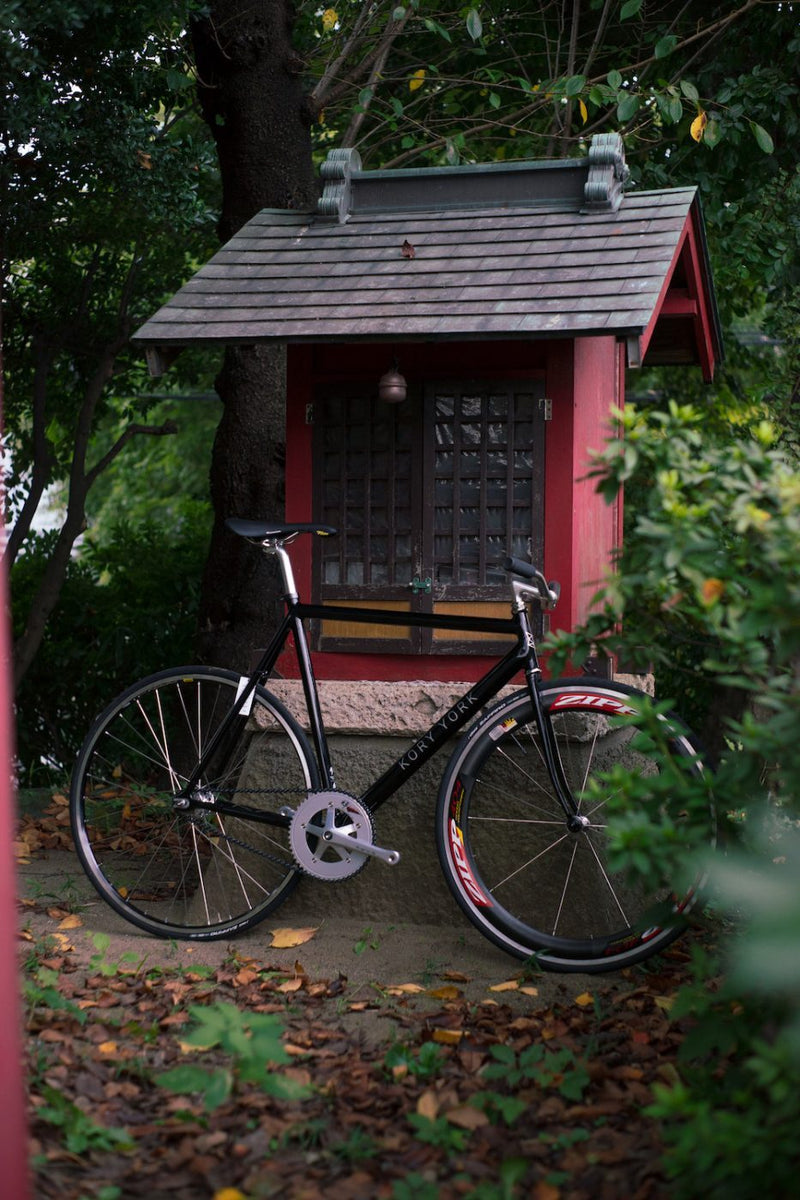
331 836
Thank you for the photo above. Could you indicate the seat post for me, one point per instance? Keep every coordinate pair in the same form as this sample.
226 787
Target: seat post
273 546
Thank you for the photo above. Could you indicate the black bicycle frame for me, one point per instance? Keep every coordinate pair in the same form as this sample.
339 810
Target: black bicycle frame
521 656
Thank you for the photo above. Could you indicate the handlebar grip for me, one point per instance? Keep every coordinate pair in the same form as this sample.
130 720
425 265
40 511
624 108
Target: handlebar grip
518 566
555 588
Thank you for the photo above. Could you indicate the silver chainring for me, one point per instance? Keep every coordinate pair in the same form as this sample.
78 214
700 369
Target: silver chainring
321 812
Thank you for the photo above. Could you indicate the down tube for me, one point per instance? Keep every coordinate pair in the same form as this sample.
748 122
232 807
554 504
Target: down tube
454 719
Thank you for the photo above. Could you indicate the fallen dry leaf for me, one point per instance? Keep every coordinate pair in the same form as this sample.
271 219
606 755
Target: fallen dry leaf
445 993
585 999
283 939
545 1191
290 985
428 1105
245 976
73 921
466 1117
510 985
447 1037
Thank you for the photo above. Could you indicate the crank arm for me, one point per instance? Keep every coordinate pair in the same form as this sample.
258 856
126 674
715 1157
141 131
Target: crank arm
337 838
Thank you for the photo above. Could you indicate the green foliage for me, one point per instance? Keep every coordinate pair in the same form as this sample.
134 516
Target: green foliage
512 1172
438 1132
40 990
540 1064
357 1147
499 1107
415 1187
424 1063
496 81
729 1123
709 564
107 191
254 1043
81 1133
711 569
128 607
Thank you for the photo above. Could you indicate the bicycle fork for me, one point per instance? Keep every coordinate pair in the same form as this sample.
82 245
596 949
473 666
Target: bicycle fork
533 674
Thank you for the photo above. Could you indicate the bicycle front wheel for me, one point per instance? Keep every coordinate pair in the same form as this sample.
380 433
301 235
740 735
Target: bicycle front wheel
528 882
189 873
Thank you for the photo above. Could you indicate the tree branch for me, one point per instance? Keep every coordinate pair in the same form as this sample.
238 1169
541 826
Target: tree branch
393 30
320 95
702 35
135 430
43 457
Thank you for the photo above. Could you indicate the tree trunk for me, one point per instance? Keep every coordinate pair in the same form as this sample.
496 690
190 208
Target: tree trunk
239 587
254 104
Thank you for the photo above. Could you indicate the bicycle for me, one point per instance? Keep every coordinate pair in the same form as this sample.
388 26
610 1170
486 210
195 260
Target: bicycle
198 800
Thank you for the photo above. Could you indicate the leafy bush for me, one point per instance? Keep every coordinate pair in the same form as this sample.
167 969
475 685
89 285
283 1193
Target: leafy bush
128 608
709 582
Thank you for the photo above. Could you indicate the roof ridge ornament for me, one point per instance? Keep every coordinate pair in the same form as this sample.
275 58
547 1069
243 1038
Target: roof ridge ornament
336 172
608 173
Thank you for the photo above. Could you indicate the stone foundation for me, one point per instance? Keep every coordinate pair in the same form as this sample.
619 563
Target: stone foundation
368 725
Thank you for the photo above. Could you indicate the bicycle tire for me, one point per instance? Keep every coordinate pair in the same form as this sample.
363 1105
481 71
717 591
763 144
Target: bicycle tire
524 880
189 874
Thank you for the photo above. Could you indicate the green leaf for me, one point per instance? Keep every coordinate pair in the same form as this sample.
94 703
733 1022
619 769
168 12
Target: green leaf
629 9
765 142
435 27
614 80
215 1086
574 85
711 134
627 107
665 45
398 13
494 100
690 91
187 1078
474 24
218 1087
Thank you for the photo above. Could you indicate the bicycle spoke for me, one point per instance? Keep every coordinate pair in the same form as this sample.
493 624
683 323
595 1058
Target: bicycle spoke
527 879
564 889
193 871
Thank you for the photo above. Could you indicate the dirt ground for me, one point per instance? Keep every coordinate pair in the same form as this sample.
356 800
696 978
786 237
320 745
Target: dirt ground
433 1066
367 953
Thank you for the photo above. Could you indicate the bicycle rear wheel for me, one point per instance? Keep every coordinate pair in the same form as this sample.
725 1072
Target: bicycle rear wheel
188 873
522 877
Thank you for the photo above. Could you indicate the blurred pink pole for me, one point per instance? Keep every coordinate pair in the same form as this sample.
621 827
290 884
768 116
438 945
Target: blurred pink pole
14 1179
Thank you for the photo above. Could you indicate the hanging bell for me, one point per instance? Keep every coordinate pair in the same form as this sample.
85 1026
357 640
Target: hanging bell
392 387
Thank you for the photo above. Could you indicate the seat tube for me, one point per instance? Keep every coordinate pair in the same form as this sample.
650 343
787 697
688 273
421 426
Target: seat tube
311 693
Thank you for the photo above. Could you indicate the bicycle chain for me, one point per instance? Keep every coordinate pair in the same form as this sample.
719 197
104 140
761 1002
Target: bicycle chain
226 837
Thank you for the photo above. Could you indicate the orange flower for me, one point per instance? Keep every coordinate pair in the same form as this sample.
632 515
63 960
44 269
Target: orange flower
711 591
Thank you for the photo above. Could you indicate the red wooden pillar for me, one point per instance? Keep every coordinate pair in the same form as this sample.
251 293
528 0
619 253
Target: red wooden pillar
581 531
14 1136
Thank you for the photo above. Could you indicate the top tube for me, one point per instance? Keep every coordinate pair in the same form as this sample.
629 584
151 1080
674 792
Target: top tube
273 536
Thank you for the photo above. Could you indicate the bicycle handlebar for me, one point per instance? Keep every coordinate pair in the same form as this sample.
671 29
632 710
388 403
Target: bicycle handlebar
278 533
549 589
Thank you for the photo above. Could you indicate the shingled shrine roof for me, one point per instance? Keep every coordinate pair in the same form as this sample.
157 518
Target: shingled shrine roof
533 249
